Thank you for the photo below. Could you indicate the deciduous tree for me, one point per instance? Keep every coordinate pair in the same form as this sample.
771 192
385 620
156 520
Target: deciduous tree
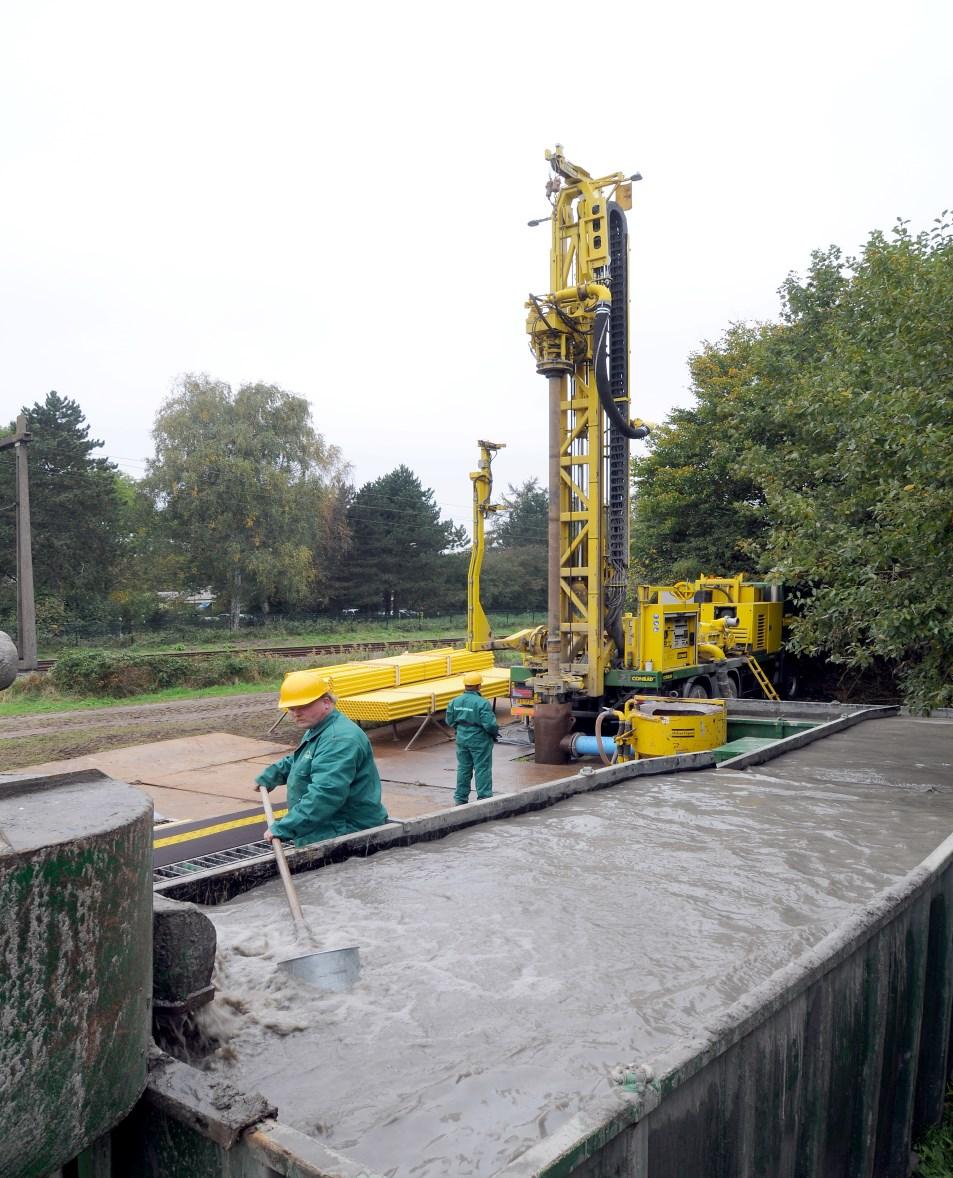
820 450
860 493
246 490
515 569
696 509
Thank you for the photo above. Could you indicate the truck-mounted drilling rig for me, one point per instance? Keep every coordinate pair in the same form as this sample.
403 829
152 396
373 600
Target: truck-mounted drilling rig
693 638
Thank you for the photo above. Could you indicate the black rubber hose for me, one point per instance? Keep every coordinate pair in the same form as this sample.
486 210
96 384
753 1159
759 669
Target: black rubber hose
600 351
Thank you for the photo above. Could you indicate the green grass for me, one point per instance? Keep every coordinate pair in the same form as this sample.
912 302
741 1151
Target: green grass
288 634
935 1147
28 706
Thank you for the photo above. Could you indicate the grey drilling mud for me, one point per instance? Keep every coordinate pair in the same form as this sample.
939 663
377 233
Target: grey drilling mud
509 969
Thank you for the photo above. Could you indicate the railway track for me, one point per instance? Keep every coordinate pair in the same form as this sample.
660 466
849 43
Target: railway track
291 652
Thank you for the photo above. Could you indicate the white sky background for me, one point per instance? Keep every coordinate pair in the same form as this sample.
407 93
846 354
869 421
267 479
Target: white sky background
334 198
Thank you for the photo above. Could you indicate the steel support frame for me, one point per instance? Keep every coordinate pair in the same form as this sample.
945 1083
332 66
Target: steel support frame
582 542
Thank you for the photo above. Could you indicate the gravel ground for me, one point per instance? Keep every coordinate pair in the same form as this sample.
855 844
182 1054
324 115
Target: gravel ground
32 740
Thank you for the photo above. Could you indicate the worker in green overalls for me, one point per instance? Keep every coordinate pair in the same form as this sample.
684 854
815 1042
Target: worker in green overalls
472 717
333 784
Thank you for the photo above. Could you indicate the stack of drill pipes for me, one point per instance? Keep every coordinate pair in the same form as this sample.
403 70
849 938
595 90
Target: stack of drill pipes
414 668
459 661
349 678
434 664
399 703
358 678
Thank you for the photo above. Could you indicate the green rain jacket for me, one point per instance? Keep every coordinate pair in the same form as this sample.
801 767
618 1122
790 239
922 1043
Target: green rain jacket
333 784
472 716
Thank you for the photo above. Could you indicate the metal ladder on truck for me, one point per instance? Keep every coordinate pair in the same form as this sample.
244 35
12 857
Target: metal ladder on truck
763 681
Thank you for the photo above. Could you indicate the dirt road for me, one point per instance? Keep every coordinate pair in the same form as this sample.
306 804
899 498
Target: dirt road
31 740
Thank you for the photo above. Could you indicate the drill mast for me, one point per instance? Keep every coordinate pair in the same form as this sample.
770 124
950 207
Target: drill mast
579 336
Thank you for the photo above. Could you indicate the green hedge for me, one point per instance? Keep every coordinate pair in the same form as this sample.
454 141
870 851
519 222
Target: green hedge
118 675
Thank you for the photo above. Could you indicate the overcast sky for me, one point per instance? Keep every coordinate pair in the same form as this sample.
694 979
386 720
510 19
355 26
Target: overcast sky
334 198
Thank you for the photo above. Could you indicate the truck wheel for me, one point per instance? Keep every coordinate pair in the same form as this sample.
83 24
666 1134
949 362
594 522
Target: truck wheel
695 689
730 688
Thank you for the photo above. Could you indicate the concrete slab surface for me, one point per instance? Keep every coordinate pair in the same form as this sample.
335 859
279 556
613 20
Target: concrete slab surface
233 779
146 762
178 805
411 801
213 774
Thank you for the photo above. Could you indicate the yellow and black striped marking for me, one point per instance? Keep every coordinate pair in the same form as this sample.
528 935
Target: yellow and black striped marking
176 841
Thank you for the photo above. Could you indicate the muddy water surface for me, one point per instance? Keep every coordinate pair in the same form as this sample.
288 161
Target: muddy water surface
507 969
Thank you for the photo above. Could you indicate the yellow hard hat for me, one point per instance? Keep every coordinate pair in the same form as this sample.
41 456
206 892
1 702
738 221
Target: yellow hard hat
472 679
302 687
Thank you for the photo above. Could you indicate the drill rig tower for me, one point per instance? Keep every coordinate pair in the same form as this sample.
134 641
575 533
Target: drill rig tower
579 335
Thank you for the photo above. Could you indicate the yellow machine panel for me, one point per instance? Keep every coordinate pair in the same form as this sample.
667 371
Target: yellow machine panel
666 636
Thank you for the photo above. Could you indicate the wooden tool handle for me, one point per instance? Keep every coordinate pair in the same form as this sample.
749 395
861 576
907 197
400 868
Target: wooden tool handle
284 872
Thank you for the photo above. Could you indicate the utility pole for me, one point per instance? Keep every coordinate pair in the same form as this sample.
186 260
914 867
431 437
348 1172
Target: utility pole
26 608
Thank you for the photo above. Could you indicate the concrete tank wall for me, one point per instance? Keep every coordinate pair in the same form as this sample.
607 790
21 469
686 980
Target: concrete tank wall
823 1072
75 963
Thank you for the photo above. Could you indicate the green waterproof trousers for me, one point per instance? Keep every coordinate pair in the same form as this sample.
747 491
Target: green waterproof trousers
475 758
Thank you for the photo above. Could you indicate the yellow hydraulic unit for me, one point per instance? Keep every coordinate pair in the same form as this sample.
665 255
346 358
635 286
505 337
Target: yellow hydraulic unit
704 621
663 635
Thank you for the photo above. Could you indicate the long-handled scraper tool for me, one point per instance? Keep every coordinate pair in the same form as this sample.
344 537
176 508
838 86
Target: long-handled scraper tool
330 969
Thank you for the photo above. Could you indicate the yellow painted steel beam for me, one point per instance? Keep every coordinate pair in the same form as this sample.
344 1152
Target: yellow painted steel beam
479 634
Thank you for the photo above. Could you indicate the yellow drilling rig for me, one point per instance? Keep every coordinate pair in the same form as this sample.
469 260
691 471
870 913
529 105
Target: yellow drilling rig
696 639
